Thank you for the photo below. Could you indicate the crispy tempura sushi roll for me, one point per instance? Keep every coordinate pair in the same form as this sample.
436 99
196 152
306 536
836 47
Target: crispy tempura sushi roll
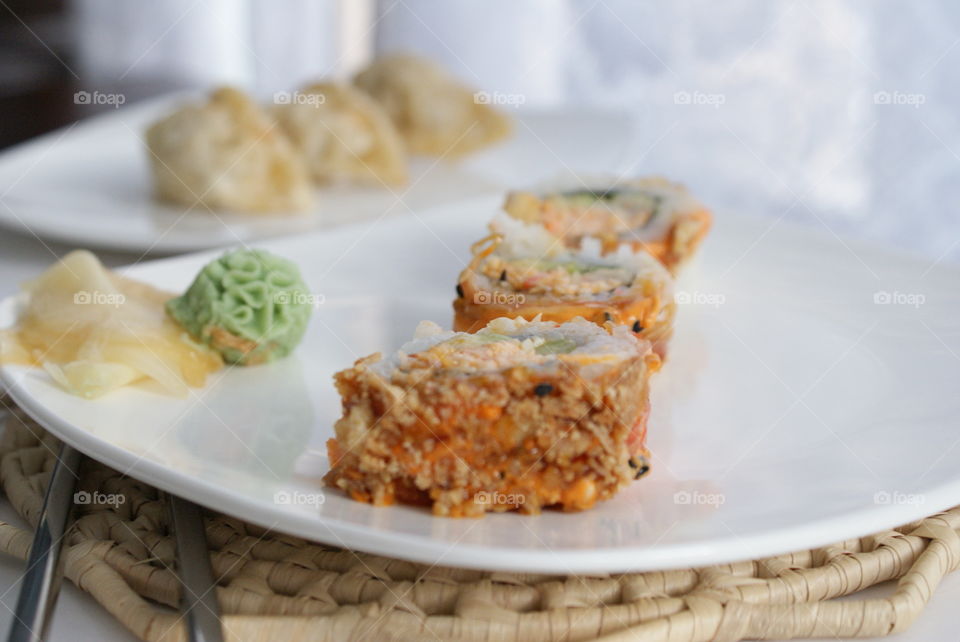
524 271
518 416
654 214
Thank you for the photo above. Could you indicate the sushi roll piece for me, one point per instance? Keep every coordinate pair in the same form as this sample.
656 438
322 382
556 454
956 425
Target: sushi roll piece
521 415
652 214
525 271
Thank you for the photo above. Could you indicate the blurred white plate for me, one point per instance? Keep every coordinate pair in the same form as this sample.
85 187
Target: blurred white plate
794 410
89 185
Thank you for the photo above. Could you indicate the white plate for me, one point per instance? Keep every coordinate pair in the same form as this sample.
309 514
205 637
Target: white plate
89 185
796 413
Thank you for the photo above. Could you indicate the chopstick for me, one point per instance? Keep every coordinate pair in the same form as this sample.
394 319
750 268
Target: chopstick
41 583
198 590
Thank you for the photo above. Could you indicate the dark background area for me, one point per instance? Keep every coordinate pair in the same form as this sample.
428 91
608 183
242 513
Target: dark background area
36 89
38 72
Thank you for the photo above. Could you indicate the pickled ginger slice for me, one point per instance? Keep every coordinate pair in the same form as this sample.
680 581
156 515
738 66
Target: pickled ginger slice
94 331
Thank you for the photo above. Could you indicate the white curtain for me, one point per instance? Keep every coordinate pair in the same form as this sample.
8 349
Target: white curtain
264 45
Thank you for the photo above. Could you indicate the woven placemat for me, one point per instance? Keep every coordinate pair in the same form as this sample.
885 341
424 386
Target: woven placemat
272 586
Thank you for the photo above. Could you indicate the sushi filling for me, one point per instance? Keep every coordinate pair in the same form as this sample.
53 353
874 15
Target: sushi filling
556 278
526 258
506 343
643 210
522 270
630 208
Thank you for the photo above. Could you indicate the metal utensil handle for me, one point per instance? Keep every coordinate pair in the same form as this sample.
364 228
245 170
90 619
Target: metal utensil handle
199 597
41 583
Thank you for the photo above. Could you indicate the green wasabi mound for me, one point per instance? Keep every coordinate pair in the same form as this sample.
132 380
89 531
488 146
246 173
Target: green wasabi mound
249 305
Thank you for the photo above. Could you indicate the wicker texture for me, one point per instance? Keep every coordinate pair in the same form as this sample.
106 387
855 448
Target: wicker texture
272 586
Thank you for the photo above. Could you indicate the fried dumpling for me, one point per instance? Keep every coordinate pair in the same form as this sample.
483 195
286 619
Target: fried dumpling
227 154
434 113
343 134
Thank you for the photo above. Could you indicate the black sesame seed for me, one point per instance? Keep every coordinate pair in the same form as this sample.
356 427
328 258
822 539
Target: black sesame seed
503 275
640 465
607 316
543 389
459 290
637 327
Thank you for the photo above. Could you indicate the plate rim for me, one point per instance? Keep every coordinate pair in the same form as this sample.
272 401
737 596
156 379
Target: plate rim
426 550
16 217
